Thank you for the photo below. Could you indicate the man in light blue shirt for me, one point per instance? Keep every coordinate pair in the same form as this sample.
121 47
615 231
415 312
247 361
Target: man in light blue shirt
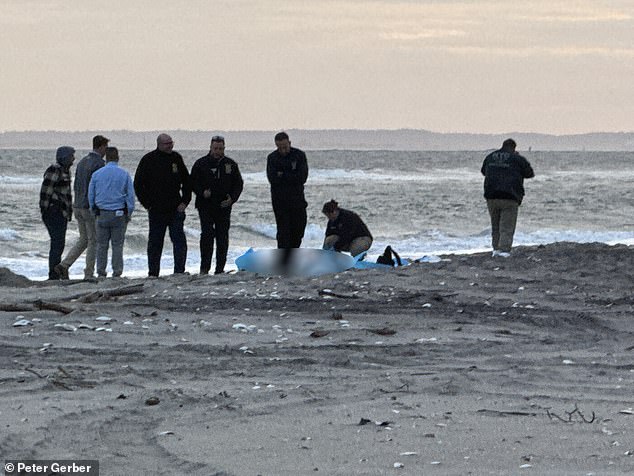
111 198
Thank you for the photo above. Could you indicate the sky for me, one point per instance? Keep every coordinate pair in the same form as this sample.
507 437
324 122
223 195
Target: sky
485 66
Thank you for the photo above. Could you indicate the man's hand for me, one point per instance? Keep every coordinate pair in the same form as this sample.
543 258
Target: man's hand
207 193
181 208
226 202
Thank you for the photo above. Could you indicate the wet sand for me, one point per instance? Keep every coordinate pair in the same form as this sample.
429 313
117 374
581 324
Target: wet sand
472 365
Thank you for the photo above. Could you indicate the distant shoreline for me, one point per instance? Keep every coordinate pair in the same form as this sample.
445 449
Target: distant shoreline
331 139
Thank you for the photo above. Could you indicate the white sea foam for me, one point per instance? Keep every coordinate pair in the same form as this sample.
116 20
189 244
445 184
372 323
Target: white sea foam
22 180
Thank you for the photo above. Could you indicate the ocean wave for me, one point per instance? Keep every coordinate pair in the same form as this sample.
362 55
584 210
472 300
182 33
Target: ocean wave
8 234
21 180
374 175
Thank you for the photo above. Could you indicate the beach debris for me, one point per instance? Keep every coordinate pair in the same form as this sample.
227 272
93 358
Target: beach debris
329 293
319 333
66 327
435 463
122 396
627 411
86 326
152 401
22 323
110 293
336 316
426 339
165 433
526 466
365 421
567 362
103 329
398 465
385 331
409 453
128 323
244 328
245 349
51 306
571 416
103 319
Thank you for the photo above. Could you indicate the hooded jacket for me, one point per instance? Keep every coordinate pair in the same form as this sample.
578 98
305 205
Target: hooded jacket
56 188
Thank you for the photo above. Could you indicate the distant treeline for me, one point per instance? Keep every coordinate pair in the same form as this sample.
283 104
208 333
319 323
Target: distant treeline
325 139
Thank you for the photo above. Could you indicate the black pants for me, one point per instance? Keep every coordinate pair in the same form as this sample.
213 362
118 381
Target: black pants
214 225
56 224
159 223
291 223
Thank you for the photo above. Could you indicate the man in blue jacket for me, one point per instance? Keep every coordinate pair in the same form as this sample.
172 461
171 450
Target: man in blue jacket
504 172
111 198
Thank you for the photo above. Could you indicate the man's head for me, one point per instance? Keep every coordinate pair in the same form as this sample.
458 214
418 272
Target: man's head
283 143
112 154
331 209
65 156
164 143
217 149
99 144
509 145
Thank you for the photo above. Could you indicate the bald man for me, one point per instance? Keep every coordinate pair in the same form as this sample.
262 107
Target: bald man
162 185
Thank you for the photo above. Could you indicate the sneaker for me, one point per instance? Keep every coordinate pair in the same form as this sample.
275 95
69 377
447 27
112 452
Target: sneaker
61 270
503 254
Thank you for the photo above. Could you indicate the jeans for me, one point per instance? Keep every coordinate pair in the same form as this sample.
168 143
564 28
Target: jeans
159 223
214 224
503 213
56 224
291 223
110 229
87 241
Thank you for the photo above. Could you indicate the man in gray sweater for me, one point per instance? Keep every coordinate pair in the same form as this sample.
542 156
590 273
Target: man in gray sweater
85 219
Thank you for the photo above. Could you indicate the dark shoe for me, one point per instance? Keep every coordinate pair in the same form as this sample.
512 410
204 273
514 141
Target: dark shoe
61 270
204 271
219 271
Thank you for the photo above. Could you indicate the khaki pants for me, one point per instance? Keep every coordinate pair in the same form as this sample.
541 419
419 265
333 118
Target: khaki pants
87 241
357 246
503 214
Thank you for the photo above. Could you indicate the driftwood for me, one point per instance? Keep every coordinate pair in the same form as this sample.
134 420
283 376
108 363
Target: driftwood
328 292
110 293
16 307
52 306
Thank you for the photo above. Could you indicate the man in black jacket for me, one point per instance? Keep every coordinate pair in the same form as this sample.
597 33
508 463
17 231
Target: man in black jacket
163 187
217 183
345 230
287 171
504 172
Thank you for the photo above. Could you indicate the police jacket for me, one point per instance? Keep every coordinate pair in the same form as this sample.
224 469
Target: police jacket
347 226
287 176
221 176
504 173
162 182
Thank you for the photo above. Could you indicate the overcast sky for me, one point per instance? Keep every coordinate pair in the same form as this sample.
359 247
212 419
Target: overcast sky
553 66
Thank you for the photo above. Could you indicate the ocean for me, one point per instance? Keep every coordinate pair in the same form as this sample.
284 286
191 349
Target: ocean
420 203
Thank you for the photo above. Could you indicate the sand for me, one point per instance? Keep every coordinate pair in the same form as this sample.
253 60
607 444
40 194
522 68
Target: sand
472 365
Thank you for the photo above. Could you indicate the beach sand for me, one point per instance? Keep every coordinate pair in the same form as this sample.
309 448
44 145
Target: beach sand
472 365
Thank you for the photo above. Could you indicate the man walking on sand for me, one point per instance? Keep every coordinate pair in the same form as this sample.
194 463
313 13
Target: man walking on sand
85 219
504 172
163 186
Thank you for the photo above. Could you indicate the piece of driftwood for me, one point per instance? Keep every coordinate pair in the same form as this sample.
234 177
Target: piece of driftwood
110 293
52 306
328 292
16 307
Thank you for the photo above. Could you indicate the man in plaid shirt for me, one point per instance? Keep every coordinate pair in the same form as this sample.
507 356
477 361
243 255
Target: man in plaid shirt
56 205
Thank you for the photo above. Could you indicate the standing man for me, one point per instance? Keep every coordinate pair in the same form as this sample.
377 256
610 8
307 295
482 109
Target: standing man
56 205
504 172
111 198
85 219
163 187
287 171
217 183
